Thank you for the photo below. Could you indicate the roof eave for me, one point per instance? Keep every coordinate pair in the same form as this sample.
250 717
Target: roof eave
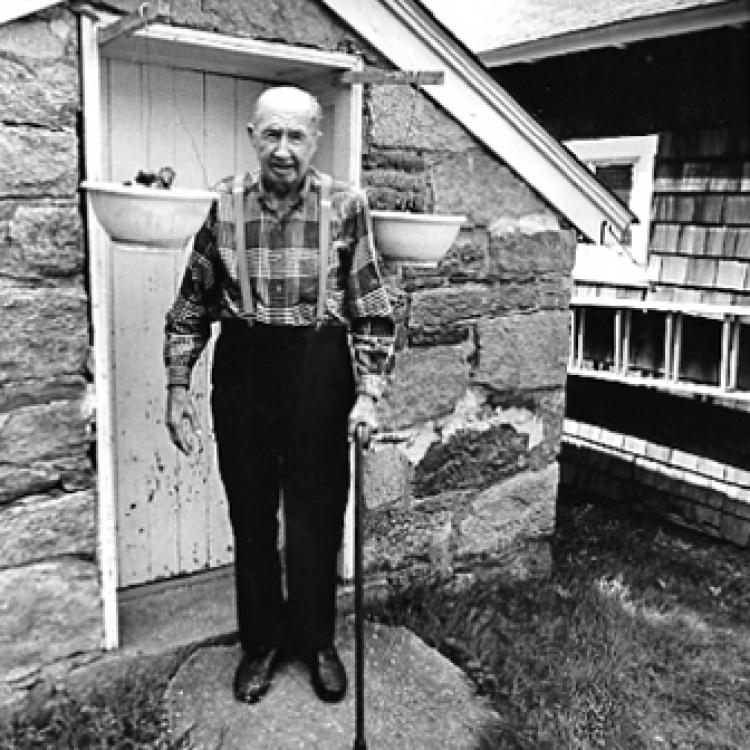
411 38
15 9
621 33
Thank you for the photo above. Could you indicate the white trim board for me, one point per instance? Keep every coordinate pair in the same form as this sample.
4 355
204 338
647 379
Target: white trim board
412 40
640 153
227 53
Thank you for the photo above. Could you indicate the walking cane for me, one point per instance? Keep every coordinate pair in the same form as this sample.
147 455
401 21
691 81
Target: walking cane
361 441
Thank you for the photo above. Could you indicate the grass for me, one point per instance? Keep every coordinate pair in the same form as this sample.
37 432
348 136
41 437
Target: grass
640 639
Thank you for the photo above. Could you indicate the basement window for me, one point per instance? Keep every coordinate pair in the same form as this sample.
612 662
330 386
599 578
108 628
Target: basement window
647 330
743 358
700 357
599 339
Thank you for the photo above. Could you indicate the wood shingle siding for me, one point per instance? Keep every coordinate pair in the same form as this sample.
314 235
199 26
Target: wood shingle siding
700 235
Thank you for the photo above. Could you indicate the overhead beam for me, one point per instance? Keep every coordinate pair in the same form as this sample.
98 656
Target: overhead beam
394 77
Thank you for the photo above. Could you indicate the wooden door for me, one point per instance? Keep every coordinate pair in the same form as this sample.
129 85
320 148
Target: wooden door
171 511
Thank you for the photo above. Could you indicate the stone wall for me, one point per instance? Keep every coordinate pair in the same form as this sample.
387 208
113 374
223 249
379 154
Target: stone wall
464 475
48 576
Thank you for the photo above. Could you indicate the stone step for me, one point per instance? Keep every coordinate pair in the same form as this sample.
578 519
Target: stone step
414 698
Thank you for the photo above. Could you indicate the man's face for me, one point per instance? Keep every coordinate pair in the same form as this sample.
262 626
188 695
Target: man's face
285 138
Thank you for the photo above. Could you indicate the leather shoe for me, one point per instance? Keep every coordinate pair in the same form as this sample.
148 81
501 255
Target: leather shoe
253 676
328 675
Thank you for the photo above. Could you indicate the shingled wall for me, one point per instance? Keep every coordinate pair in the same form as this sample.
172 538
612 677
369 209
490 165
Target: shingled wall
700 241
668 453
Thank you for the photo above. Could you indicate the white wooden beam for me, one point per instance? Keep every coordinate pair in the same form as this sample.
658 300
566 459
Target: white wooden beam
100 293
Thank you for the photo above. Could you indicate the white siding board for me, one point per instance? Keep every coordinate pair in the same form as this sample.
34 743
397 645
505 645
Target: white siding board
190 152
159 107
246 93
220 128
126 120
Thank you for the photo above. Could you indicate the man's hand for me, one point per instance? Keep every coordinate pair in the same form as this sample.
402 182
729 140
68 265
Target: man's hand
182 421
363 412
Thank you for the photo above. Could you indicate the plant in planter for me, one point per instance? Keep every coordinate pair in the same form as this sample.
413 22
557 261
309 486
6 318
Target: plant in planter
148 211
402 202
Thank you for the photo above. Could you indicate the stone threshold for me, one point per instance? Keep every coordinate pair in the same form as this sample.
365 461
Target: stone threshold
196 609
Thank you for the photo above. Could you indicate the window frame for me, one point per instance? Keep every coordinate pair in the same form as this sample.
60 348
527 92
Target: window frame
640 152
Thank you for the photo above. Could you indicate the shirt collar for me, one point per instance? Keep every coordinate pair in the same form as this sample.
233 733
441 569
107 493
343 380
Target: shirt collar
311 181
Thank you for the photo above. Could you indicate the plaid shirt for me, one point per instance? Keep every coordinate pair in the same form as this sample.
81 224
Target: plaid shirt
281 260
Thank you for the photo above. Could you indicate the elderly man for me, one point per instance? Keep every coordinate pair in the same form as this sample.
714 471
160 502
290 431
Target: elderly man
286 264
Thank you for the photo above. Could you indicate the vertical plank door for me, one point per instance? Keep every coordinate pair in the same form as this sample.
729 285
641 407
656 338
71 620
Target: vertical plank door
172 514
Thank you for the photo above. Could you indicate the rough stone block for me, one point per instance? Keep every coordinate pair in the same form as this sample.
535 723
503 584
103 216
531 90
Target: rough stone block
45 333
37 162
523 351
502 193
520 507
387 476
290 21
19 481
50 610
402 117
433 308
42 432
426 383
397 538
39 74
41 527
516 253
43 240
472 458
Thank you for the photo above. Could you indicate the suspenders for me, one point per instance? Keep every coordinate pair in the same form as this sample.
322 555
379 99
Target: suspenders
238 196
324 237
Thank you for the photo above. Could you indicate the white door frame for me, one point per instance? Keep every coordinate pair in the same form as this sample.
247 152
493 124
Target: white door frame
215 52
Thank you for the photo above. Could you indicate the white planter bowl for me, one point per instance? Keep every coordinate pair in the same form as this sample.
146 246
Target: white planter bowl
416 239
135 214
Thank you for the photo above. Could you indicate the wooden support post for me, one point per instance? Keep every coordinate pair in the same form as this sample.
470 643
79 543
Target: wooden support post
734 353
676 347
581 335
726 338
618 340
626 325
668 345
573 338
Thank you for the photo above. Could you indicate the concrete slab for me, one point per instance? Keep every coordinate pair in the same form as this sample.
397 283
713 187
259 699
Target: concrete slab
415 699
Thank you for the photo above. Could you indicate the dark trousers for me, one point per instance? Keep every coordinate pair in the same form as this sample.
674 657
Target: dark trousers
281 399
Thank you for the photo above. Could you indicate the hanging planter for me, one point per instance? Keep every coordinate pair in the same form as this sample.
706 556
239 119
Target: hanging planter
415 239
151 217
